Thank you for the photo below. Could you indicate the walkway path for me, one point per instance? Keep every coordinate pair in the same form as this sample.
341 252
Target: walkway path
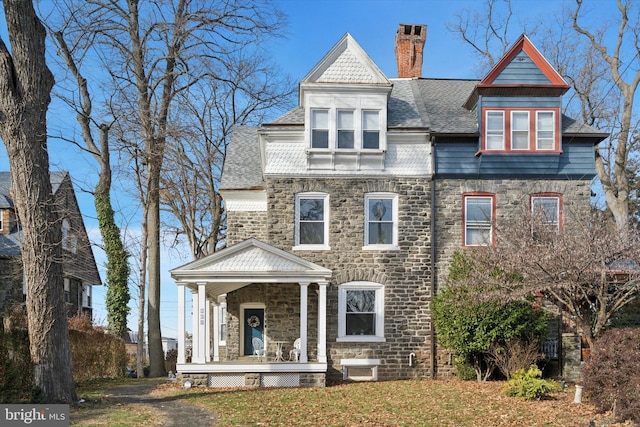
176 412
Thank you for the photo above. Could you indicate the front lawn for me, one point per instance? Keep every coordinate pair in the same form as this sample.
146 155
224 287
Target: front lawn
393 403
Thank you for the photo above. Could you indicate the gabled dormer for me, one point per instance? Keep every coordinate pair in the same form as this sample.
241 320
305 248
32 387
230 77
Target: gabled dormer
518 104
344 98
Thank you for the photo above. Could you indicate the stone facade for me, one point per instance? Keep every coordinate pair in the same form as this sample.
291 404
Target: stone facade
242 225
405 273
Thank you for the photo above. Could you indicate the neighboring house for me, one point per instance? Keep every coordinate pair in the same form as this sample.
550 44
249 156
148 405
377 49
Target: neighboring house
342 213
79 266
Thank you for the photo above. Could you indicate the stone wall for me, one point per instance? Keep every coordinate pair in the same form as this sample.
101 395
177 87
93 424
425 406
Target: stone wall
405 273
512 195
244 225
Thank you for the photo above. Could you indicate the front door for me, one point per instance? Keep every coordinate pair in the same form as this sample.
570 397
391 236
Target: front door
253 328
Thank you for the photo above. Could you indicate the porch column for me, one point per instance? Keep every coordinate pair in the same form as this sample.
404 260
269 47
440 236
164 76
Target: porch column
216 331
194 325
201 318
322 322
304 290
181 324
207 355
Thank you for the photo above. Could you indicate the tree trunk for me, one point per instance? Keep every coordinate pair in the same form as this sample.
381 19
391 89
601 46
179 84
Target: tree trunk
25 87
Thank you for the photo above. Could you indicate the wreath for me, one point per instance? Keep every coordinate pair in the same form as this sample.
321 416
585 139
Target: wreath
253 321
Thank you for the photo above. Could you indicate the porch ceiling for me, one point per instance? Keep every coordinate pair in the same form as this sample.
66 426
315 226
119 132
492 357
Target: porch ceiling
250 261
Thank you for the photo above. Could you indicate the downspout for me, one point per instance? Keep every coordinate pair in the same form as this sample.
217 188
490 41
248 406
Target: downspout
433 257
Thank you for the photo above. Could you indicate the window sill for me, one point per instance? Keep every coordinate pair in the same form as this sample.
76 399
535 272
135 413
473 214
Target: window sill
311 248
381 248
361 338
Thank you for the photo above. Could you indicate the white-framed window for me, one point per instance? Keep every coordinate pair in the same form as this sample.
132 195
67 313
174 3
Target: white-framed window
519 130
495 130
381 220
86 296
370 130
546 210
545 130
69 239
478 219
361 312
346 128
319 128
222 322
312 221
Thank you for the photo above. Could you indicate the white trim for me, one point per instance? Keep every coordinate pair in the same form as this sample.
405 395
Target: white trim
553 130
181 323
251 305
325 221
379 312
322 322
251 367
360 363
393 197
245 200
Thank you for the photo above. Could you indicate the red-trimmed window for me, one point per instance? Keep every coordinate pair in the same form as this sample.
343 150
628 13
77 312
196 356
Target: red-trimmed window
546 209
479 212
521 130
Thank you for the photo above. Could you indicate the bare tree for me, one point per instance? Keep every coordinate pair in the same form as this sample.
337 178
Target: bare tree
243 90
117 265
624 72
586 267
25 87
152 52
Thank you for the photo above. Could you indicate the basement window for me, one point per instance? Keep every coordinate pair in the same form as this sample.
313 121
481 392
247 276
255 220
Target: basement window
360 369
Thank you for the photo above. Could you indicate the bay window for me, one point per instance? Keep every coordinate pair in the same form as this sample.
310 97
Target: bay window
525 130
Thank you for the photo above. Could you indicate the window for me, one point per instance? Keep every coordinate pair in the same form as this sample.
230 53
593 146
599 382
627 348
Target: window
545 135
381 219
1 219
312 214
546 211
519 130
478 219
86 296
222 338
370 129
319 128
361 312
345 129
67 291
69 240
495 130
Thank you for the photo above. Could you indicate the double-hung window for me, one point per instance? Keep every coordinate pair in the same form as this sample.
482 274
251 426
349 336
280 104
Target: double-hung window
478 219
345 129
312 220
546 211
495 130
319 128
381 220
545 130
370 130
519 130
361 311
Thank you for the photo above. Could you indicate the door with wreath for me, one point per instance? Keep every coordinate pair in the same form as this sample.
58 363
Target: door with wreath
253 328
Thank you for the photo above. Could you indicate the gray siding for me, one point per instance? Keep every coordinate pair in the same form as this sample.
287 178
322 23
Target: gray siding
520 102
459 160
521 70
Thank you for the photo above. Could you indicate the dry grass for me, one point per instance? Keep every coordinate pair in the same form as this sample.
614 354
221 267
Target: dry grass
394 403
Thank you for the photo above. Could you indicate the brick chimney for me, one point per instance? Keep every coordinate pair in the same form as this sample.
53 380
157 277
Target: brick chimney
410 40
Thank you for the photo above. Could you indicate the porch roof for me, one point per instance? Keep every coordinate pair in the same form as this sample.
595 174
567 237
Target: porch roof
250 261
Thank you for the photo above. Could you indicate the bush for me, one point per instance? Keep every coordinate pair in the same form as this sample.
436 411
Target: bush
463 369
170 360
529 385
612 374
16 369
517 354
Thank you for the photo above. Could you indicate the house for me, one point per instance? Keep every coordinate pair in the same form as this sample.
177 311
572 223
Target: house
79 265
342 214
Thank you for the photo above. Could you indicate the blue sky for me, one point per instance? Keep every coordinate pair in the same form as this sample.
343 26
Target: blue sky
314 27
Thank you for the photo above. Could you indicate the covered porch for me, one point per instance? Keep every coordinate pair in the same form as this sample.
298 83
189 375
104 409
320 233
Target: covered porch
269 306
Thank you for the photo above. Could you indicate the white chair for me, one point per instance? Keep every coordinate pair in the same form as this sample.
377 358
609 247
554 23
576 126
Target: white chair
258 348
294 354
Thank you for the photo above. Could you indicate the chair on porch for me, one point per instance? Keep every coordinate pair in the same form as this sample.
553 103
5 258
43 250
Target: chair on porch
294 354
258 348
